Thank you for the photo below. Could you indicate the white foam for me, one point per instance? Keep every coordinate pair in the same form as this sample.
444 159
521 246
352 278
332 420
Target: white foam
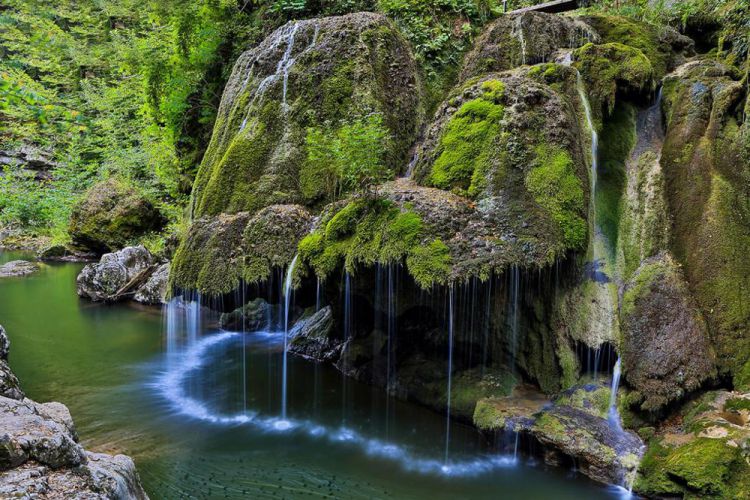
171 385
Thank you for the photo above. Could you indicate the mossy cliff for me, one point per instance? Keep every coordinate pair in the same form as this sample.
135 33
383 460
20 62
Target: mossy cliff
219 252
326 73
706 164
528 38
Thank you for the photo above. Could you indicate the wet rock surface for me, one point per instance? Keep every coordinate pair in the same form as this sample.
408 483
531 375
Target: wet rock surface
312 337
254 315
528 38
666 351
18 268
40 456
9 386
129 273
573 427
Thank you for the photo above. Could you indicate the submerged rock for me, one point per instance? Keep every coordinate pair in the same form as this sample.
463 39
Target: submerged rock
129 273
64 253
40 455
18 268
110 216
666 352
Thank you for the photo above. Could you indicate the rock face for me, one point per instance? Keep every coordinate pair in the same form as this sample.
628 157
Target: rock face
254 315
9 386
706 164
575 426
332 71
666 351
528 38
40 455
705 454
30 159
218 252
18 268
111 215
312 337
129 273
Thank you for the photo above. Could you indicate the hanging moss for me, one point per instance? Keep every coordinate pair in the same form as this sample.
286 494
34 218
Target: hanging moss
368 231
466 144
555 187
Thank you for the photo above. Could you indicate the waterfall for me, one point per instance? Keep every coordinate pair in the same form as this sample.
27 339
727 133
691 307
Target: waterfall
317 296
182 322
450 374
521 39
287 305
515 284
613 416
594 134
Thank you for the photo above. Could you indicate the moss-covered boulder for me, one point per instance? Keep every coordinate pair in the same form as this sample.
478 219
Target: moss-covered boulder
706 164
307 80
664 46
666 352
573 426
528 38
219 252
707 456
111 215
512 143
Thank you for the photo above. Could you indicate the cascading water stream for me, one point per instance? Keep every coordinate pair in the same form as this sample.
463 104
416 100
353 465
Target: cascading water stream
450 375
515 287
613 416
287 306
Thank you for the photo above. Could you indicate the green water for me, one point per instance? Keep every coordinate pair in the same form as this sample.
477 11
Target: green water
103 362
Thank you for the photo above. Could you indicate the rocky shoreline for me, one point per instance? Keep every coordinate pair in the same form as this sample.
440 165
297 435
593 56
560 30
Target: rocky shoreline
40 456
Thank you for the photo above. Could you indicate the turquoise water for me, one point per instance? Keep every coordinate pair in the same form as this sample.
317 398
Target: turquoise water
108 365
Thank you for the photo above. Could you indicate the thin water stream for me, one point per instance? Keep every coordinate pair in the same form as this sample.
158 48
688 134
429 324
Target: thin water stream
198 414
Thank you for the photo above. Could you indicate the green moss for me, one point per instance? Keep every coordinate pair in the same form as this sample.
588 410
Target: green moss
703 467
611 67
466 144
647 275
555 187
369 231
737 404
594 401
742 377
487 417
430 264
550 425
638 34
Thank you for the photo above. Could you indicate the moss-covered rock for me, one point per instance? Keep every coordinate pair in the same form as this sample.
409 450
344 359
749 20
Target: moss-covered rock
218 252
613 68
707 457
512 143
111 215
313 74
666 351
706 164
528 38
664 47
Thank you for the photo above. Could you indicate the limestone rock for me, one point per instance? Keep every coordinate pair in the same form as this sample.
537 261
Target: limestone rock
218 252
706 164
666 351
312 73
527 38
29 434
154 290
18 268
117 275
311 337
252 316
9 386
110 216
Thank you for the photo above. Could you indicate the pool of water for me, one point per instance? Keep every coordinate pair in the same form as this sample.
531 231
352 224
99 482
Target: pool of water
203 421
